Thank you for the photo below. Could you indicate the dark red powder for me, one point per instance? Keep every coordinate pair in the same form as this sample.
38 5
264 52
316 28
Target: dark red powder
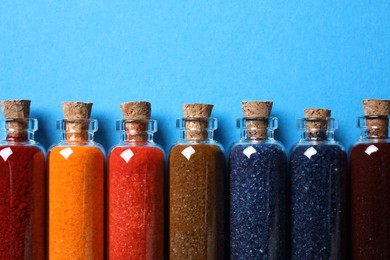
21 202
370 201
135 203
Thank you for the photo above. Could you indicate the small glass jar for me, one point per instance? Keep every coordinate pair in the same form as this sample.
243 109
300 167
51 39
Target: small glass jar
196 190
136 193
257 171
22 186
76 193
370 180
317 179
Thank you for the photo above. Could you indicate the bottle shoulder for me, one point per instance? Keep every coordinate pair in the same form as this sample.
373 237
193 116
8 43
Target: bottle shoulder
135 149
201 146
81 147
28 145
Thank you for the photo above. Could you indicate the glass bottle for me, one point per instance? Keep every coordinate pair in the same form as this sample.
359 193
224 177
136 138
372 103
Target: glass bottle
196 188
317 179
370 183
136 188
257 171
22 198
76 188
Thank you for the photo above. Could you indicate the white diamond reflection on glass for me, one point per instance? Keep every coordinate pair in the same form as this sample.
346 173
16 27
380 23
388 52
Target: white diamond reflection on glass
187 152
371 149
5 153
66 152
249 151
310 152
126 155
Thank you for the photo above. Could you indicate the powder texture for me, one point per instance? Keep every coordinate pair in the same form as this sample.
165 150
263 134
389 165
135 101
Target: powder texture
76 202
136 203
21 202
370 200
257 201
196 202
317 175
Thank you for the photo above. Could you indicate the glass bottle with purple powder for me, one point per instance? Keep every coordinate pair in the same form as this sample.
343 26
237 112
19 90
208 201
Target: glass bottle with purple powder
257 176
370 183
317 179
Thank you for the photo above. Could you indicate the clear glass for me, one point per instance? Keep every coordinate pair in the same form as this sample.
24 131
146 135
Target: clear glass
317 183
257 177
208 132
370 132
319 133
22 197
128 136
271 124
196 193
76 193
370 193
135 193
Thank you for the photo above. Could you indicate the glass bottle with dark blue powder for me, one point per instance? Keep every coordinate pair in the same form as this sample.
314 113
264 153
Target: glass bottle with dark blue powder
257 176
317 187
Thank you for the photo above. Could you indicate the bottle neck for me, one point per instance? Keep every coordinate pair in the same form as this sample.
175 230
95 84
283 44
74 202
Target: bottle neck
197 129
136 131
374 127
315 129
257 128
19 129
77 130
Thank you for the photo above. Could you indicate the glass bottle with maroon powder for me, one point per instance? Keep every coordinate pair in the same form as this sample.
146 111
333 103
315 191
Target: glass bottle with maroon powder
136 188
370 183
22 166
196 188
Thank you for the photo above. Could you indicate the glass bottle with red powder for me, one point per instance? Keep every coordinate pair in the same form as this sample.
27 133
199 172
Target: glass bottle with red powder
22 169
370 184
136 188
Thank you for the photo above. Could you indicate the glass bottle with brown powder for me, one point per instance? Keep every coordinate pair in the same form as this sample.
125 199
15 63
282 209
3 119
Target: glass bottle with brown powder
370 184
196 188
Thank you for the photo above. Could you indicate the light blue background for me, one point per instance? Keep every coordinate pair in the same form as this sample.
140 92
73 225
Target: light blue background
299 54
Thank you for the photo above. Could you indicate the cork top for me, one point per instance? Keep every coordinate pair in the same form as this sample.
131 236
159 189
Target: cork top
320 113
196 130
136 110
317 129
77 130
140 112
77 110
256 128
19 110
377 127
16 108
197 110
256 108
376 107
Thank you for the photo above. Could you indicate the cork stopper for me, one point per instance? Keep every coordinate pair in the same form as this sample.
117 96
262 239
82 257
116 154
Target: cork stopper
377 127
77 110
259 111
136 110
196 123
139 114
77 115
20 110
16 108
197 110
317 122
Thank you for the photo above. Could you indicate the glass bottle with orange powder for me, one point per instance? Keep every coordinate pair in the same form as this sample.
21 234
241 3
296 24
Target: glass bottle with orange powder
76 188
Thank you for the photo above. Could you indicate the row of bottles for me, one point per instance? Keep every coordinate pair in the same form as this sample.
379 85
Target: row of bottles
268 206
